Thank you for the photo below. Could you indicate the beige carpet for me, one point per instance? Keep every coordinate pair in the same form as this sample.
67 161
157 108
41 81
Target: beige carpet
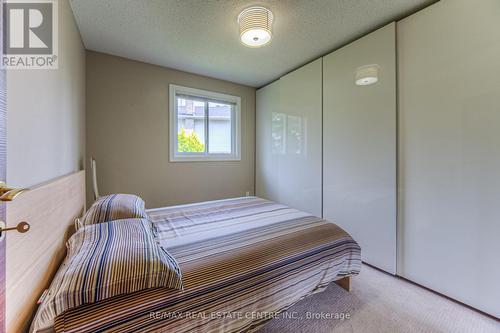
380 303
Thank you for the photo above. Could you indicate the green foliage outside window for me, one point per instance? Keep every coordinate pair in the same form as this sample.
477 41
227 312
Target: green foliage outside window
189 143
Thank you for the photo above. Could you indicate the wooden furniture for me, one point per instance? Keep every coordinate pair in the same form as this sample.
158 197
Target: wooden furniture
32 258
345 283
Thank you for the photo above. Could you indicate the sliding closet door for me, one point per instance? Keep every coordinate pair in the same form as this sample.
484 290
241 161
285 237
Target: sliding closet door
360 145
266 159
449 71
289 139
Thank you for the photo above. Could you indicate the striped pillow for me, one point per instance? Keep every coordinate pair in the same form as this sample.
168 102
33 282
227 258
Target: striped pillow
114 207
105 260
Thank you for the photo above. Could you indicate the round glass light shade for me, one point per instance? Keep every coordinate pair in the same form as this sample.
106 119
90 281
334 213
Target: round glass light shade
365 81
255 37
366 75
255 26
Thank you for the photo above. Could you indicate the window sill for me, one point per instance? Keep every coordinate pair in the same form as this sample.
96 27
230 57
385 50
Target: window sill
204 159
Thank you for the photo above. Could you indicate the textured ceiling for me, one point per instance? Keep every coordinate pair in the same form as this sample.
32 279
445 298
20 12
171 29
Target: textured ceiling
201 36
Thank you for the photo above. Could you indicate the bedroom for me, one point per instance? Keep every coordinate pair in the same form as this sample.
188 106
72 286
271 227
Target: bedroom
250 166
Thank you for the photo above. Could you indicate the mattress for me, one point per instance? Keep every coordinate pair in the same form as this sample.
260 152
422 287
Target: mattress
243 260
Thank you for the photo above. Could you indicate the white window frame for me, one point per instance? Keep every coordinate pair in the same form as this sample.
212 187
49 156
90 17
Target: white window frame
235 154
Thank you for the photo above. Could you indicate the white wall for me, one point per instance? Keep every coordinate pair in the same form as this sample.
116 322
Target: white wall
46 113
289 138
449 92
359 154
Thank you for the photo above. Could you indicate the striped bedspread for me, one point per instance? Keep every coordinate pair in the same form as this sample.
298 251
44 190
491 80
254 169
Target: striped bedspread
243 260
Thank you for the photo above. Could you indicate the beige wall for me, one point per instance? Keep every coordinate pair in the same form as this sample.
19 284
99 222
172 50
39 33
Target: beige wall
46 113
128 134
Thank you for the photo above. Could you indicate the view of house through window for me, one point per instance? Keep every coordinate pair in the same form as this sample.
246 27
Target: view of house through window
206 127
219 128
190 126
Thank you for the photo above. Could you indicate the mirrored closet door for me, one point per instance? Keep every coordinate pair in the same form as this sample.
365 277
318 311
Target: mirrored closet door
359 144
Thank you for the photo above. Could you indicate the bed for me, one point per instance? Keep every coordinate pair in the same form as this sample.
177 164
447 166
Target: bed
243 261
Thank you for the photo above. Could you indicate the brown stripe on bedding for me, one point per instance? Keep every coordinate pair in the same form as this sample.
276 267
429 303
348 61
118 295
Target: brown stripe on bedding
227 242
241 290
207 209
246 258
265 267
194 217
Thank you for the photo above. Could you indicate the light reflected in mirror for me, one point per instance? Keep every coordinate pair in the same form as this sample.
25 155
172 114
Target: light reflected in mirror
367 74
288 134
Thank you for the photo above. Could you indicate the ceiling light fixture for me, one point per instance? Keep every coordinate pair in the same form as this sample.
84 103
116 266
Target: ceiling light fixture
255 26
366 75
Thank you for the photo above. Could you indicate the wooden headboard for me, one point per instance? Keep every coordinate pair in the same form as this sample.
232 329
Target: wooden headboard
33 257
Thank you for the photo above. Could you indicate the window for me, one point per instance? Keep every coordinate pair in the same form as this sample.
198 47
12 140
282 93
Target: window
204 125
